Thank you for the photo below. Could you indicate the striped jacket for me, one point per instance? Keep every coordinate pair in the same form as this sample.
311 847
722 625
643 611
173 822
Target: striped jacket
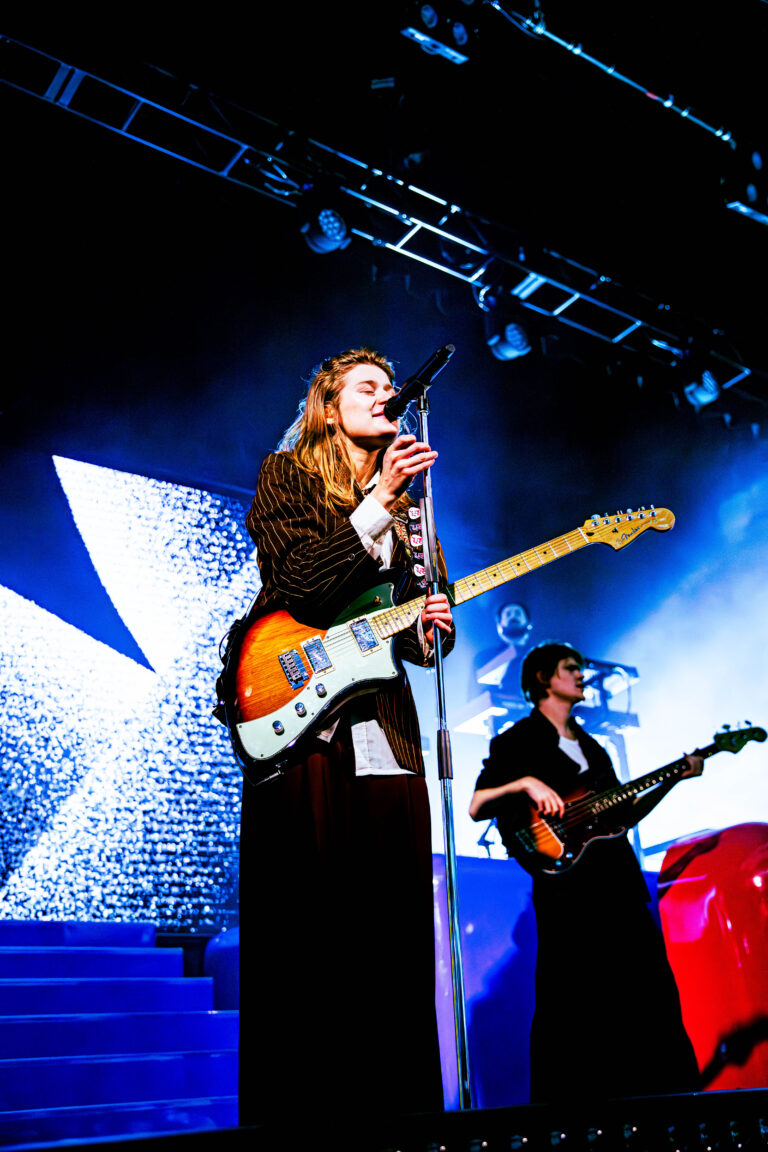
313 564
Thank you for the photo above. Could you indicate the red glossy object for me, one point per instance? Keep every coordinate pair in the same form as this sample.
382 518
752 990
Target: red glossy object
713 901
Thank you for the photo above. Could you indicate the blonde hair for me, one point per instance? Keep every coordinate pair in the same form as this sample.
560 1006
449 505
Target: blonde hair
314 443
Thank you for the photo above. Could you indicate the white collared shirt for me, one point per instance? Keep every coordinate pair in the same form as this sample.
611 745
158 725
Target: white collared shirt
373 755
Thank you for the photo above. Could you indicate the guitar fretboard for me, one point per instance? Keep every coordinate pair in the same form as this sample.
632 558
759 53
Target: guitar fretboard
399 616
623 792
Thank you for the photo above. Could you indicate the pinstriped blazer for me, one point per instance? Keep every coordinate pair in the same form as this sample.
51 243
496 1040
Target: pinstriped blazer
313 564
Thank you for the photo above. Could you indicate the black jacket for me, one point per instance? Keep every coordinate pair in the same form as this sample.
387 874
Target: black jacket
607 868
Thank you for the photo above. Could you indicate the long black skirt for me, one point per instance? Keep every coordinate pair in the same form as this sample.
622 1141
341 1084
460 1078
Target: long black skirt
337 973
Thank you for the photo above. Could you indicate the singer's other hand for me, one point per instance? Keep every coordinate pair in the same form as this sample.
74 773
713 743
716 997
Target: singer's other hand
437 611
405 457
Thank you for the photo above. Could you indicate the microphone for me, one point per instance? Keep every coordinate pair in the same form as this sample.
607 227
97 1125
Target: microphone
419 383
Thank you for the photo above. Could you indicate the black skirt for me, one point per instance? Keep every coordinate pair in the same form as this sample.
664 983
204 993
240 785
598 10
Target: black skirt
337 974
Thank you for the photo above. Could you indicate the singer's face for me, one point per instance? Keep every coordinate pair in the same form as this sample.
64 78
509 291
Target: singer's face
360 407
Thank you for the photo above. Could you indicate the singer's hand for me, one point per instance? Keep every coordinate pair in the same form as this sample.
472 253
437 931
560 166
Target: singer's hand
405 457
436 611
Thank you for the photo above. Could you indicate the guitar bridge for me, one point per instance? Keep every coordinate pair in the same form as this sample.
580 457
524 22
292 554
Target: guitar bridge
293 667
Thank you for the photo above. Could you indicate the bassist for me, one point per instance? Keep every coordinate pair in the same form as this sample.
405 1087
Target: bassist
607 1018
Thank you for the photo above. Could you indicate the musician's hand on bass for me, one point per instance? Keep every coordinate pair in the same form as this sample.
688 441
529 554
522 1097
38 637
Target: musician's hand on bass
695 765
545 799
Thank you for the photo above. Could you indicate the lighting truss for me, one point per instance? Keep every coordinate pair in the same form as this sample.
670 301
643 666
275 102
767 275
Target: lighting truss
535 25
257 153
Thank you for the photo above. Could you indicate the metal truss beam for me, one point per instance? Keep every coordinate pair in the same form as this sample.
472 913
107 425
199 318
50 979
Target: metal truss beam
244 148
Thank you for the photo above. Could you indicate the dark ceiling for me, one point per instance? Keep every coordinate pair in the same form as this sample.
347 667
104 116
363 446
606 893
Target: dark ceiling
526 132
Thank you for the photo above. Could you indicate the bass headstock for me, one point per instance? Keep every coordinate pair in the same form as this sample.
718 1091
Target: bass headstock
734 739
622 528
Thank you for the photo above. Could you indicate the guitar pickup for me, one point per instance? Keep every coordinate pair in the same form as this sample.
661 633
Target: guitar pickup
315 652
364 635
293 667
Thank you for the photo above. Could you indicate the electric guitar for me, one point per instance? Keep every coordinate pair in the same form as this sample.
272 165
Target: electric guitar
282 679
553 844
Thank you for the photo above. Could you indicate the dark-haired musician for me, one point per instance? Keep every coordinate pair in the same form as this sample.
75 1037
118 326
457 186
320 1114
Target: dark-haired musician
337 937
607 1018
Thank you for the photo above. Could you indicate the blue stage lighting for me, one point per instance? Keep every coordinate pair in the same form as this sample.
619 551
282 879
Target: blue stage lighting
326 231
509 343
703 391
441 30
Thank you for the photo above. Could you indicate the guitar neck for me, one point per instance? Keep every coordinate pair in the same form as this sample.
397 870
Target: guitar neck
399 616
669 772
510 569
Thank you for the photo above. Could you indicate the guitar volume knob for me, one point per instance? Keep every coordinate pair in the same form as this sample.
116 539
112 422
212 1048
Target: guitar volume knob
278 727
321 690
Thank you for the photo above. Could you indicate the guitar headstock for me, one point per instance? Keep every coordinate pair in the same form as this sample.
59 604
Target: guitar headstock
733 740
622 528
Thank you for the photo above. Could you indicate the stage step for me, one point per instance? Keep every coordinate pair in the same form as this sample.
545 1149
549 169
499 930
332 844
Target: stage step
161 1117
74 934
71 1081
99 1034
77 961
102 1035
105 994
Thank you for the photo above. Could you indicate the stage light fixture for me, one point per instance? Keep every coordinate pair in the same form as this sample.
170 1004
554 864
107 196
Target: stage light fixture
746 189
506 333
703 391
326 231
509 343
442 29
324 226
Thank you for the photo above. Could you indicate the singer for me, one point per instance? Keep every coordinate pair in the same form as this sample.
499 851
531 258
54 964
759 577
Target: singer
337 1013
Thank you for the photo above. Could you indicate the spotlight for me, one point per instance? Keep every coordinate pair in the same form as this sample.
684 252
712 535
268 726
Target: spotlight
509 343
505 333
326 232
324 227
460 34
445 29
703 391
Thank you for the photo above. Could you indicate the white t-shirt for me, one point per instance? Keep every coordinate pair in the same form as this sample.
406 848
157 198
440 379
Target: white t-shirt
572 748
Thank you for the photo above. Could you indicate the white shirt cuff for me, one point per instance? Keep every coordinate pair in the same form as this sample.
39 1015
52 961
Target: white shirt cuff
372 522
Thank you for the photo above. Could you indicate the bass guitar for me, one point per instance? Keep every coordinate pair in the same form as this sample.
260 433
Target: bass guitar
282 678
553 844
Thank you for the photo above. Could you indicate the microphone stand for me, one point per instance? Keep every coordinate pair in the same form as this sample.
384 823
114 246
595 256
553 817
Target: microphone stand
445 772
